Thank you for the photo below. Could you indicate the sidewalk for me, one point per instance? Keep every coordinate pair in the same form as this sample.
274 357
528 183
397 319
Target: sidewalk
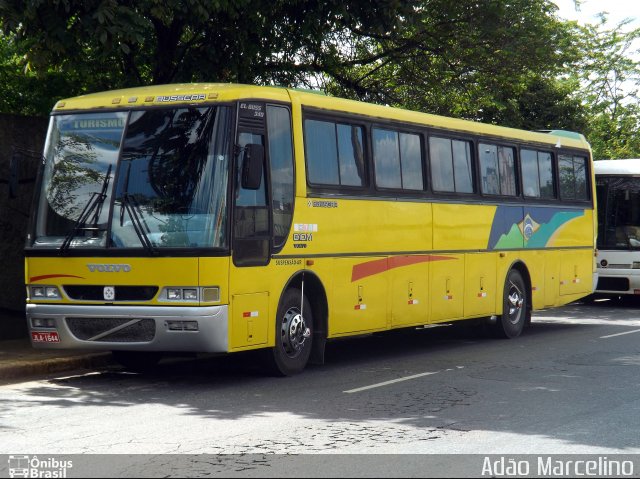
20 361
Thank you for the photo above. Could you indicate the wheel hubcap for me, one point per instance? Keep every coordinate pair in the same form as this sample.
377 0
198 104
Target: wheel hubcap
294 332
515 303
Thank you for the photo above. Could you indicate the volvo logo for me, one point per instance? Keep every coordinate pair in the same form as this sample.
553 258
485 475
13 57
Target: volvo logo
109 268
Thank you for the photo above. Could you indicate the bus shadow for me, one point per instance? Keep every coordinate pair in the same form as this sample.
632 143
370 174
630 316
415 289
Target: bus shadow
474 383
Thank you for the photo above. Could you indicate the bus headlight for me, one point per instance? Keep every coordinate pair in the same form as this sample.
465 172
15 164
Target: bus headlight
174 294
37 291
52 292
191 294
45 292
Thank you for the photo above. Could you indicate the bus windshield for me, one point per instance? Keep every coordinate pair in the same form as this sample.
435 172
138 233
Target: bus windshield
618 212
147 179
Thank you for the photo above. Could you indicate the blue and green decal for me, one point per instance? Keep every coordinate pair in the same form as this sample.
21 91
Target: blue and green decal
525 227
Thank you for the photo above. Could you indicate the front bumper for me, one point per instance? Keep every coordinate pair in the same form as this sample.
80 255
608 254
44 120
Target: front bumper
75 325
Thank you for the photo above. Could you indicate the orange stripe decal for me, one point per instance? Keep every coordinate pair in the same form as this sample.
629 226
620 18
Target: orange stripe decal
33 279
377 266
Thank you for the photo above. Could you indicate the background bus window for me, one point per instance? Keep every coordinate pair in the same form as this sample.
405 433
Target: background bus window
618 213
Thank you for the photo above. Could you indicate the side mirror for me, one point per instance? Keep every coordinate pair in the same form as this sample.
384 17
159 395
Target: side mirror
252 162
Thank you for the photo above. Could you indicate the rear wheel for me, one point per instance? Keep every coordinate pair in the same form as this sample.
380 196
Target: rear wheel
293 335
515 307
138 361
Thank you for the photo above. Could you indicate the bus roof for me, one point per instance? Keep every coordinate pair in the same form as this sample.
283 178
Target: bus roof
629 166
202 93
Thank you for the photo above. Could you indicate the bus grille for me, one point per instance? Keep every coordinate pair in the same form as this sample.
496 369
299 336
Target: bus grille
117 330
123 293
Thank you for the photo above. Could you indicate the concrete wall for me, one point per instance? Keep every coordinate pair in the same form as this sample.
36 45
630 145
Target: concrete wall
25 136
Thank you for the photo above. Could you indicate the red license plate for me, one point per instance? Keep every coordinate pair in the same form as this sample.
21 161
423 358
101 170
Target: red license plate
45 337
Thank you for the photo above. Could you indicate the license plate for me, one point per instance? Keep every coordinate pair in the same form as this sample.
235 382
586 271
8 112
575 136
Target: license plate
45 337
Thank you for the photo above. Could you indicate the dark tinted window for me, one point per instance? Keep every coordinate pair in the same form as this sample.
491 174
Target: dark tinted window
573 177
398 160
537 174
334 153
497 170
451 165
281 164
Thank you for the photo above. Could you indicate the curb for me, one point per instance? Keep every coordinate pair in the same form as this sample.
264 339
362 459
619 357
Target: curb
10 371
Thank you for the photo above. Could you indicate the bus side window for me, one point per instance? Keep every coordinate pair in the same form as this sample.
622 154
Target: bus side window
451 165
398 160
498 172
334 153
530 173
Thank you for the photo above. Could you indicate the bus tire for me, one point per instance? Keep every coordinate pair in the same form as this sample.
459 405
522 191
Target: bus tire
137 361
515 307
294 335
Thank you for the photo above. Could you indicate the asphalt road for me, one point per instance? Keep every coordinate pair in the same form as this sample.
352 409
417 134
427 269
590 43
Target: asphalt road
569 385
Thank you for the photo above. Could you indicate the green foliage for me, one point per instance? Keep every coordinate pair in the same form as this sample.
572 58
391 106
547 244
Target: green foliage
609 78
118 43
21 91
510 62
493 61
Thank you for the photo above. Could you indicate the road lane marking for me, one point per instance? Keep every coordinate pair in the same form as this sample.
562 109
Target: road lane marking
394 381
620 334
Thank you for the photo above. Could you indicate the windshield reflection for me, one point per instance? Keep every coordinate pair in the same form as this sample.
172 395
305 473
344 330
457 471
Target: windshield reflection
170 188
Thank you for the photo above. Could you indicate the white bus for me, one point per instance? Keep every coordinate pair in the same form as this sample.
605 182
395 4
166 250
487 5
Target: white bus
618 195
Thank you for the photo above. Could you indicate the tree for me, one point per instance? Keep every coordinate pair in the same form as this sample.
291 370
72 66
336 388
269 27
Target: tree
495 61
118 43
22 91
608 80
510 62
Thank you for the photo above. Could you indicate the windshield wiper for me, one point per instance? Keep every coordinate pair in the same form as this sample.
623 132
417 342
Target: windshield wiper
139 224
132 207
94 205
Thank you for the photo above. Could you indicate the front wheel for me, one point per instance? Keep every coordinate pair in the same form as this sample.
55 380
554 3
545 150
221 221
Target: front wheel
294 326
515 307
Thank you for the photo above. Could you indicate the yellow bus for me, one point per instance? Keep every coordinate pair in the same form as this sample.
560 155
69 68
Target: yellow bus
221 218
